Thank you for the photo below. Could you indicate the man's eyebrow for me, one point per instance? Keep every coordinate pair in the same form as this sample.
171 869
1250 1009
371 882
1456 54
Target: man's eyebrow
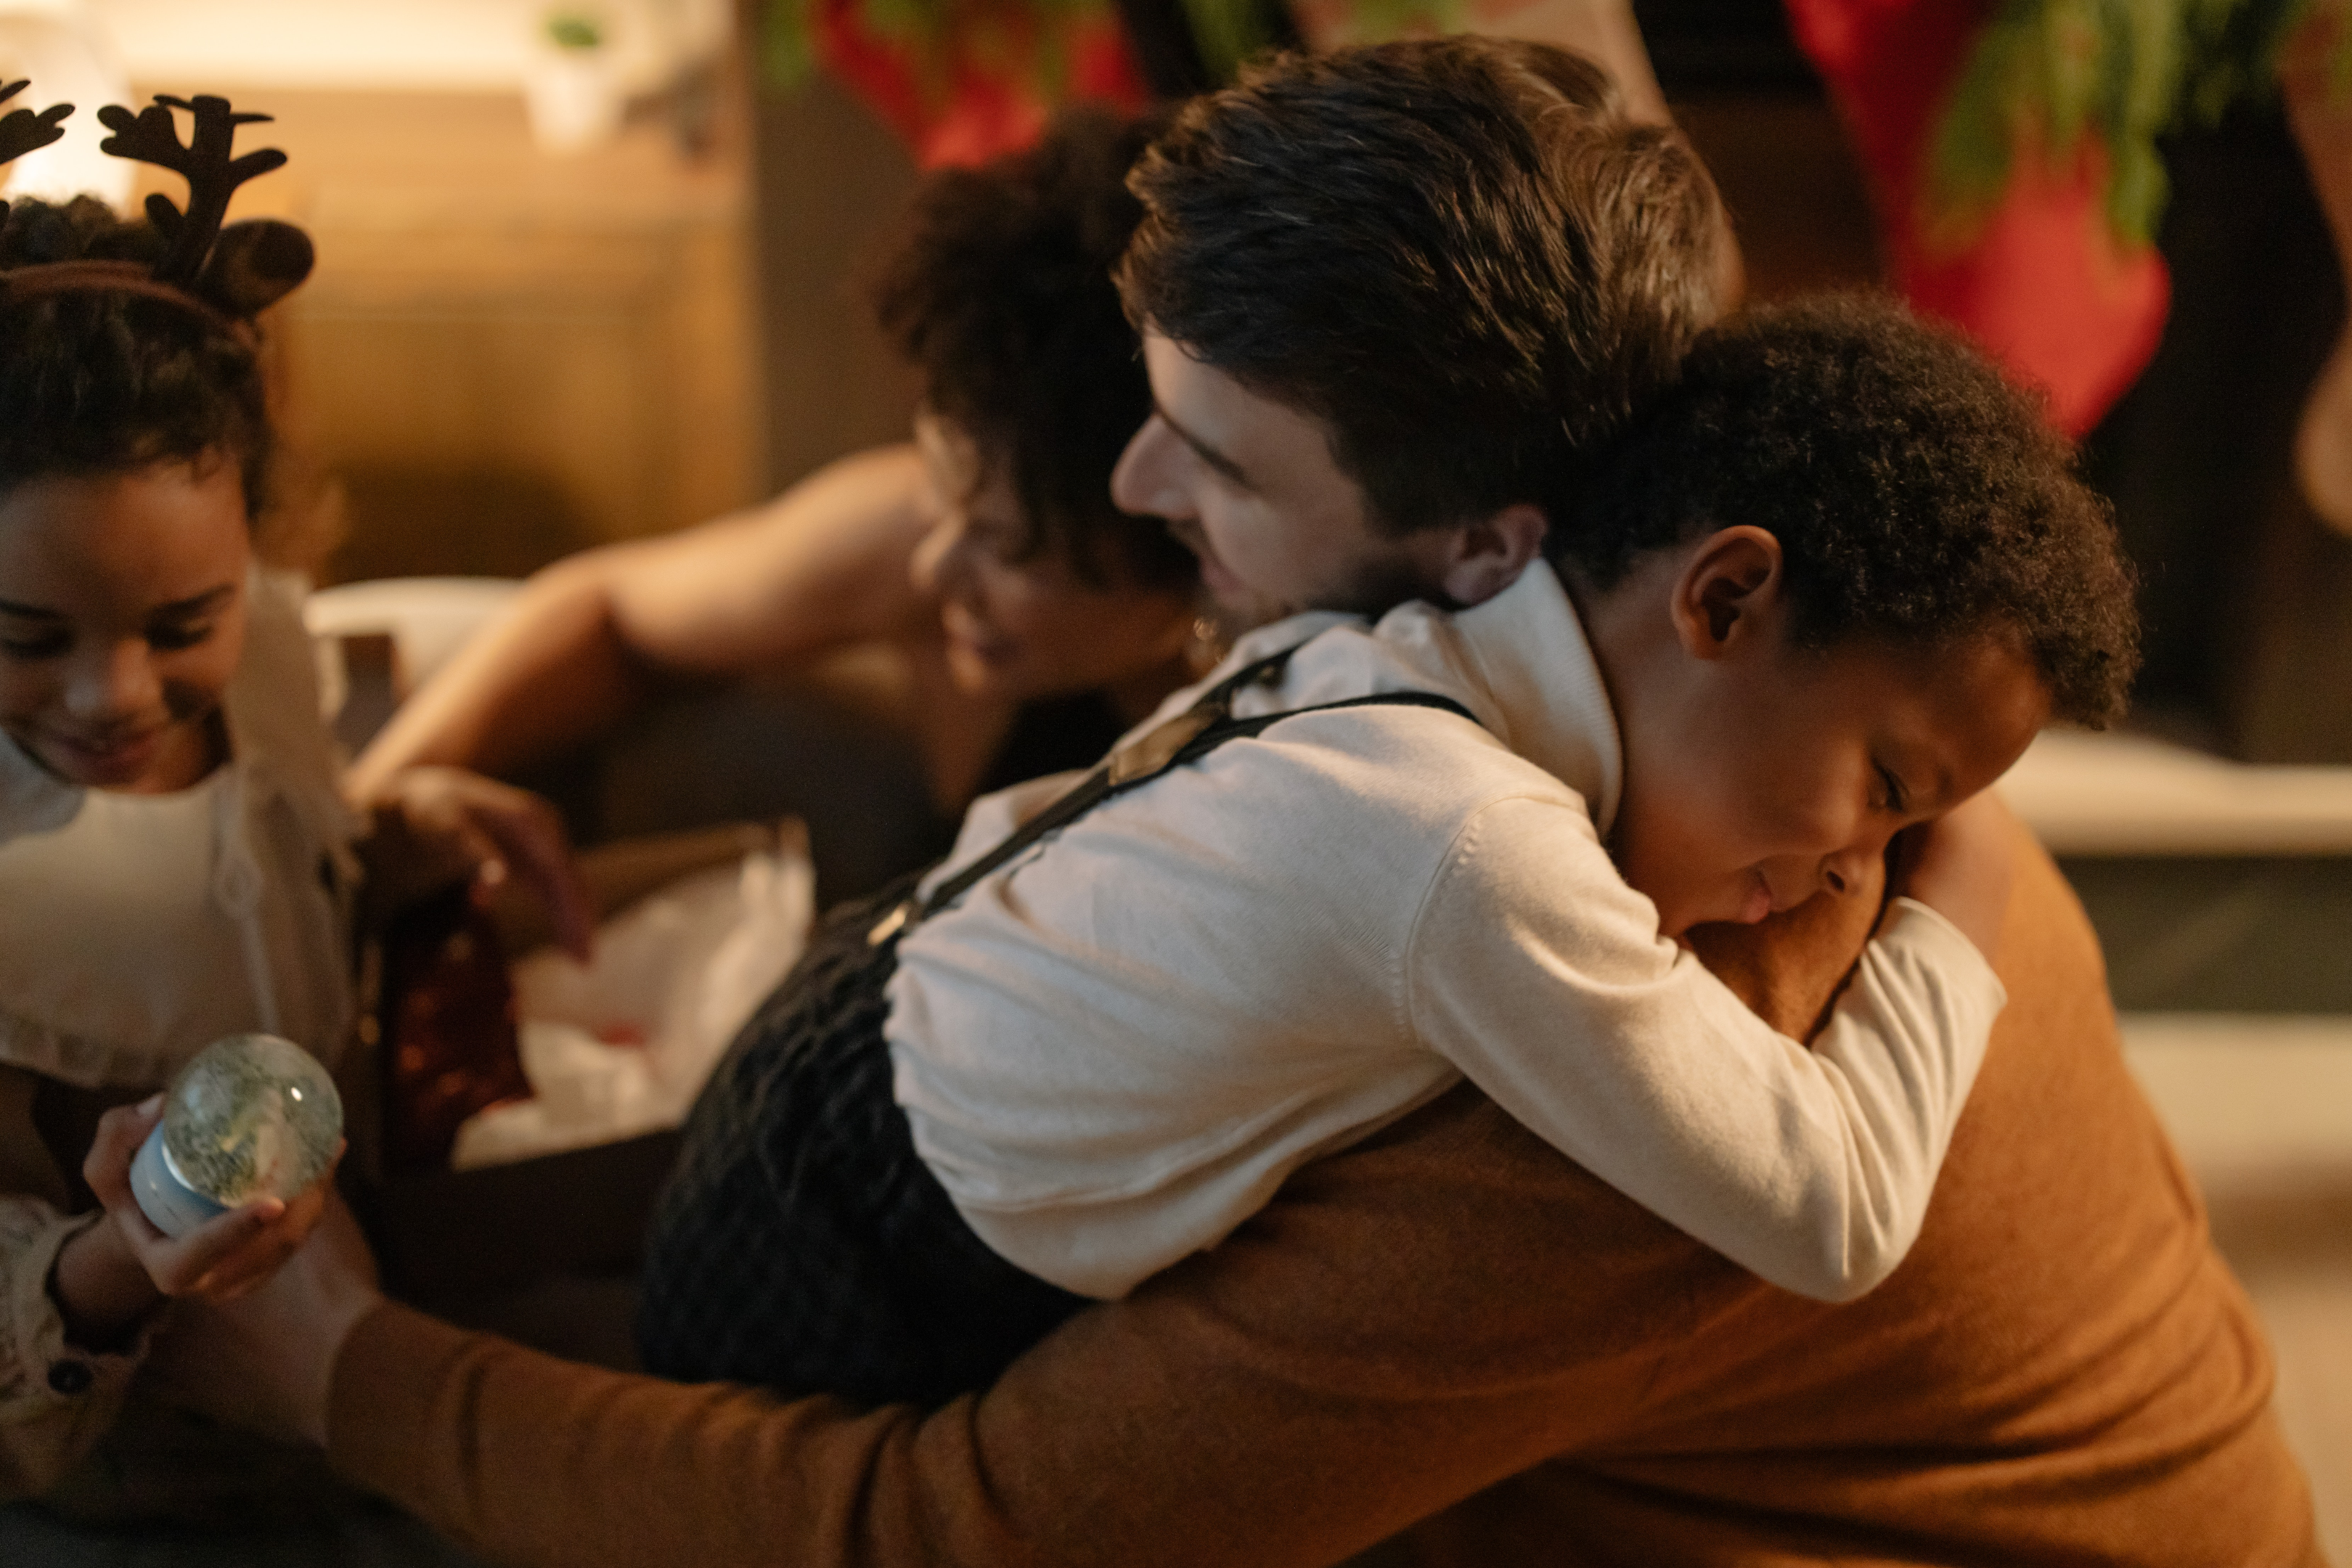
30 612
1202 450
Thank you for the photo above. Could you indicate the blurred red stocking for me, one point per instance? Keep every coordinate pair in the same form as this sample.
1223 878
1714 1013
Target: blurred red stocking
2041 279
985 80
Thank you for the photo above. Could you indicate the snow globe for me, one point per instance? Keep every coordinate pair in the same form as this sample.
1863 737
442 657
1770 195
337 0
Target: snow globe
250 1117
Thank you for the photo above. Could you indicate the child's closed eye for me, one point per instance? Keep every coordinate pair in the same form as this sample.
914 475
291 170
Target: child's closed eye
1896 796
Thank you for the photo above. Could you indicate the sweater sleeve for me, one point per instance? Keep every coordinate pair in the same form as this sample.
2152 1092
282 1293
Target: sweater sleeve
2068 1373
1444 1305
55 1400
1540 974
1414 1320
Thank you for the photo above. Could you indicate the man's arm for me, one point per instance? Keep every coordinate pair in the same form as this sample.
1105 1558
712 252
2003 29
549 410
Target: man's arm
1442 1306
2064 1372
822 564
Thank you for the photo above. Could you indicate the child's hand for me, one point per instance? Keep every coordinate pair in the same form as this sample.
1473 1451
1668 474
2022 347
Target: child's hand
1960 865
435 825
111 1275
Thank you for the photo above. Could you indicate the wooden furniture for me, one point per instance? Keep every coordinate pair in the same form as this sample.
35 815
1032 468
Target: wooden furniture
505 356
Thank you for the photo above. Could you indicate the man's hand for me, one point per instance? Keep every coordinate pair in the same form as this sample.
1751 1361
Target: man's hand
267 1361
1960 865
433 827
113 1274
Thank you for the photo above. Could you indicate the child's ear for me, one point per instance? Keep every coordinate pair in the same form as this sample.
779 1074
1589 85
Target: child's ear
1488 555
1728 584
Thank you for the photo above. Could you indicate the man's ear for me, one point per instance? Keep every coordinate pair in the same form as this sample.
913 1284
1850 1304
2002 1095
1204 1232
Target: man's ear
1731 581
1486 556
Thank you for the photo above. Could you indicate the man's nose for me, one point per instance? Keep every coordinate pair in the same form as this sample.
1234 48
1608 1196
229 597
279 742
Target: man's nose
1139 483
114 682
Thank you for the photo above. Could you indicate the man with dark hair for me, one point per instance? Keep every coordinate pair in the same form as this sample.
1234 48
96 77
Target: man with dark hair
1447 1334
1438 269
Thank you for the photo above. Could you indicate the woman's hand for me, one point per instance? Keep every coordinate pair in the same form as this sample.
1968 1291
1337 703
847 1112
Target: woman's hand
114 1273
1960 865
433 827
267 1361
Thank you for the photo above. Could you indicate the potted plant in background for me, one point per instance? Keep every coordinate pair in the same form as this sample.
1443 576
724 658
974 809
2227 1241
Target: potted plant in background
569 85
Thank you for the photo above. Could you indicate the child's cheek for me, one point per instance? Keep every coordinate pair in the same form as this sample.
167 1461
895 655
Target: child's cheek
195 680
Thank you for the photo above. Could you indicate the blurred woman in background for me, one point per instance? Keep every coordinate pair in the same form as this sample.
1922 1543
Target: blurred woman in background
1012 621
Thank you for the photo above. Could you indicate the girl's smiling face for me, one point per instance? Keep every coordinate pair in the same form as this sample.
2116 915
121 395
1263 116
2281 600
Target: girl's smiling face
121 619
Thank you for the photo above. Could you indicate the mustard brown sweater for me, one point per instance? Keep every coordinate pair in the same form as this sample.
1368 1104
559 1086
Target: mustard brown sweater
1452 1336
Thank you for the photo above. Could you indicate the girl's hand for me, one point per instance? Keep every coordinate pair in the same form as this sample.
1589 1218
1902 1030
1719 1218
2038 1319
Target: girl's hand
113 1274
435 825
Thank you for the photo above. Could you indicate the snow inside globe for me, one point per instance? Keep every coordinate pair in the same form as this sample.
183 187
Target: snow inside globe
250 1117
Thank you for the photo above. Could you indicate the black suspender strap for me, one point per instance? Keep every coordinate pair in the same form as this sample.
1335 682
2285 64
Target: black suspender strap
1192 734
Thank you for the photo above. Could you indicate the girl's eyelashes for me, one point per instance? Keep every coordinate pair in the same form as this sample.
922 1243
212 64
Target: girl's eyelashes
174 636
49 644
999 539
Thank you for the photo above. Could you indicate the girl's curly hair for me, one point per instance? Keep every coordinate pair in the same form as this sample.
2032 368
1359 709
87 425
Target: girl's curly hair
96 382
999 290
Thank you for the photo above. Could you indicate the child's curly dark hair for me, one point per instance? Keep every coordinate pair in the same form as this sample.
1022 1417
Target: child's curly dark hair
94 382
999 290
1918 496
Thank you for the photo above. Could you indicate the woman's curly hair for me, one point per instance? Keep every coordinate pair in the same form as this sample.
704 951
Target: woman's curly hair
93 382
1920 500
999 290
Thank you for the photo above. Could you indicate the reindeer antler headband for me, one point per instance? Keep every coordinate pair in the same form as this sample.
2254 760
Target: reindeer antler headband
228 274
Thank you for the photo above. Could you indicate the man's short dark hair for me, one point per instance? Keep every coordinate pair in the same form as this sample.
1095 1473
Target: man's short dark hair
1920 500
1458 253
999 290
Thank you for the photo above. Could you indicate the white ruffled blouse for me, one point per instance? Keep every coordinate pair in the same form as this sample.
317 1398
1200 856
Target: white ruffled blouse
137 929
134 931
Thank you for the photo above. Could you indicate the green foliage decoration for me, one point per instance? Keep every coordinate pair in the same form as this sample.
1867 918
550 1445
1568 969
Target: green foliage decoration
2044 75
574 30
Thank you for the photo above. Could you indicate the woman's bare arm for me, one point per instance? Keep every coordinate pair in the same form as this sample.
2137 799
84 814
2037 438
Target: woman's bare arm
822 565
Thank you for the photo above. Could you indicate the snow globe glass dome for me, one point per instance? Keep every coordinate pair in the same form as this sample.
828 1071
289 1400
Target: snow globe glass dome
250 1117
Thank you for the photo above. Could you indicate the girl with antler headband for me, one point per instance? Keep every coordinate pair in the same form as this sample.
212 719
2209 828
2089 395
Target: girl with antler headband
176 863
